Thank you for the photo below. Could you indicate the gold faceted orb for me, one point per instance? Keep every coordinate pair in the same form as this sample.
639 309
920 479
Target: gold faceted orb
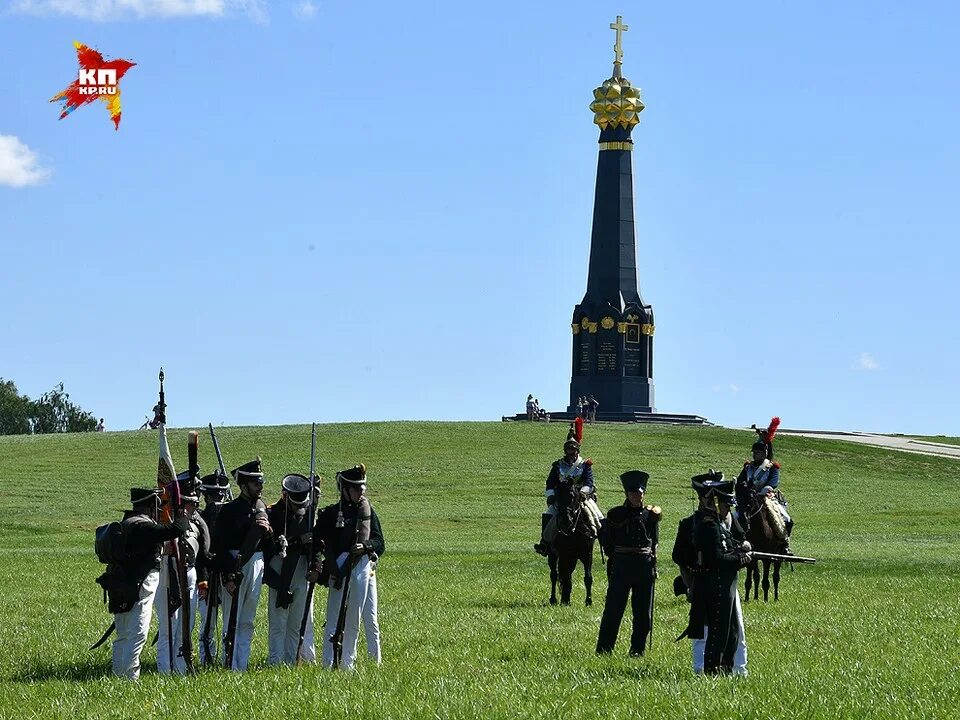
616 104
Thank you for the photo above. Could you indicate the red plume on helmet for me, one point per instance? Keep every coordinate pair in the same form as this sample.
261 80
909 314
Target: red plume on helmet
765 437
578 429
771 430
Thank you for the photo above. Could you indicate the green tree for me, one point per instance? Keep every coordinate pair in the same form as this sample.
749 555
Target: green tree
54 413
15 410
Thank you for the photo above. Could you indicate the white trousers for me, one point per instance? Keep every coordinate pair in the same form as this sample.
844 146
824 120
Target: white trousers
164 620
739 657
132 630
285 622
248 596
356 598
368 613
204 608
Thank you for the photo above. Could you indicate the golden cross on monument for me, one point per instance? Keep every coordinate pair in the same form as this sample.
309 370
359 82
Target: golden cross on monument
618 47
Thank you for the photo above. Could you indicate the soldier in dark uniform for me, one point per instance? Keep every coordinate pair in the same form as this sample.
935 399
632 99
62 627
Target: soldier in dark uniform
629 536
285 573
214 488
720 551
137 577
194 548
352 542
240 532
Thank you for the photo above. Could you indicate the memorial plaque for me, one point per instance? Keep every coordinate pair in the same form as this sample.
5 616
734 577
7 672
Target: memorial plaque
607 355
584 347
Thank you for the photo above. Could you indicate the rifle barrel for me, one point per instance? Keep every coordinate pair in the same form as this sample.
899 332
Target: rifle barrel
783 558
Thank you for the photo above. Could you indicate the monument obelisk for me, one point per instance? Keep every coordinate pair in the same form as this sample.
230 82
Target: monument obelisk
612 326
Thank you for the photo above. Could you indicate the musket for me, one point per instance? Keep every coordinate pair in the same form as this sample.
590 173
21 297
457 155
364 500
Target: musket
782 558
172 491
311 584
223 470
231 634
213 606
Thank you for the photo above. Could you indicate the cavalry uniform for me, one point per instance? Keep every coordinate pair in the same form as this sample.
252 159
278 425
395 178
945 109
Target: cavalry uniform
762 478
237 545
194 548
629 536
341 527
136 579
716 617
563 477
285 574
214 488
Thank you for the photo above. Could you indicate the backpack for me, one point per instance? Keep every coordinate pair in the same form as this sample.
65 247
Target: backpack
109 543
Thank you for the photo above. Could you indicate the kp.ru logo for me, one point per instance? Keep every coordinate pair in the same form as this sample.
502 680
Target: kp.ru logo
97 78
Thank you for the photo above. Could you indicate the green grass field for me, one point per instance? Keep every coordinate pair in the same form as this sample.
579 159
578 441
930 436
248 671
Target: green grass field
872 630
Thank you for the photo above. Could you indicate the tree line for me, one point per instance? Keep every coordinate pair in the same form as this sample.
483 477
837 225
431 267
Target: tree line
52 412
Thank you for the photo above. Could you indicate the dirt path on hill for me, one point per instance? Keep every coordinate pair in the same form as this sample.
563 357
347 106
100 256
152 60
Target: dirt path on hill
892 442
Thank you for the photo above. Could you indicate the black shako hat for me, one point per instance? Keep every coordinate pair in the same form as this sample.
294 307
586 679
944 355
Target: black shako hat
188 490
252 470
142 495
712 483
214 482
354 477
634 480
297 488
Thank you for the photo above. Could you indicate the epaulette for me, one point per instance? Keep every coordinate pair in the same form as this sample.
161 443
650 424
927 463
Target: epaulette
655 510
588 461
776 465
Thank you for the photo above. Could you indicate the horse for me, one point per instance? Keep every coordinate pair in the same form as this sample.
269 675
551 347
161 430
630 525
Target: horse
573 541
765 533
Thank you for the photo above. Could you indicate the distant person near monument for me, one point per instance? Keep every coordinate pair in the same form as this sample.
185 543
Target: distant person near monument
531 408
101 426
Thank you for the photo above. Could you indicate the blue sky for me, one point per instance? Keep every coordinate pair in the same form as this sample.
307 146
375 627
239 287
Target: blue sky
342 211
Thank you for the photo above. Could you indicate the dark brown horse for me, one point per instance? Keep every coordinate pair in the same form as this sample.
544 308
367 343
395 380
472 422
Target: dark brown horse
573 541
765 534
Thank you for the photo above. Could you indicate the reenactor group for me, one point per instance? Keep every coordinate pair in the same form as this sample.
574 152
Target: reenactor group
225 553
710 549
203 570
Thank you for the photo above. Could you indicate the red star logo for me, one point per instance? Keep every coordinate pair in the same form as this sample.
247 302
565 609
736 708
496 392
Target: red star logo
97 78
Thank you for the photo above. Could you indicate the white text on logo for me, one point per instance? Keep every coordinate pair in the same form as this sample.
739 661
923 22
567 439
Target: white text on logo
102 81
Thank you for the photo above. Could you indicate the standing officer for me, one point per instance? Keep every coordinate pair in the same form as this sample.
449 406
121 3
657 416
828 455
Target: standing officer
285 572
241 531
137 577
352 541
715 613
629 536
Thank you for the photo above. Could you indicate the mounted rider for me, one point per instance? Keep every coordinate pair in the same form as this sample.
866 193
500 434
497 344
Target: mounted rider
761 477
571 472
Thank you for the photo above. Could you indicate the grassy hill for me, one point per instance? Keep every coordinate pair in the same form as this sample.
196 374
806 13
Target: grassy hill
870 631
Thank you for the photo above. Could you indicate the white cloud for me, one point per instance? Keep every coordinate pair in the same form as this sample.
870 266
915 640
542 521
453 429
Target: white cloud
18 164
305 9
734 388
866 362
107 10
